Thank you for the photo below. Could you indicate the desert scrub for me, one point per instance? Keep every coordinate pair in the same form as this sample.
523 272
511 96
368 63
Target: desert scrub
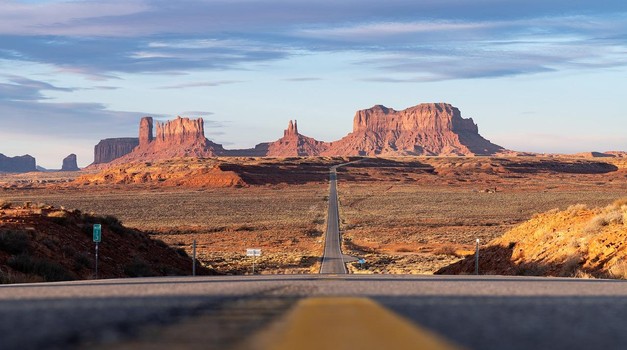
59 217
613 216
50 271
138 268
4 204
14 242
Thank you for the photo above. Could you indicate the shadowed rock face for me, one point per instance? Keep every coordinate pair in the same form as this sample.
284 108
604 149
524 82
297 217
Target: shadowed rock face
69 163
109 149
21 164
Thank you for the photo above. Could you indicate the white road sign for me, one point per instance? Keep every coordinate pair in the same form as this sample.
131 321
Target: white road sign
253 252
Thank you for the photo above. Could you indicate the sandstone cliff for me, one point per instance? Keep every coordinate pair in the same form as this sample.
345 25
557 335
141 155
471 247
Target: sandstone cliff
181 137
426 129
69 163
109 149
21 164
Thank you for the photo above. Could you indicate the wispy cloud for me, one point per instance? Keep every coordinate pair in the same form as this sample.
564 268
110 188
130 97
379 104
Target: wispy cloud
433 39
202 114
200 84
302 79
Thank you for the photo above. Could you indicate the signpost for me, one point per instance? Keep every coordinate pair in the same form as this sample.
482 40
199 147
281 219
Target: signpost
477 258
194 258
254 253
97 239
361 262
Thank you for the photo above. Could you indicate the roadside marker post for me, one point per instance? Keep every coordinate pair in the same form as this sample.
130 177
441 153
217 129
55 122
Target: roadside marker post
254 253
477 258
361 262
194 258
97 237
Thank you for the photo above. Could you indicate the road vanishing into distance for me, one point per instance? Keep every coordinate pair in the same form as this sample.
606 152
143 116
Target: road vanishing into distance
330 310
322 311
333 260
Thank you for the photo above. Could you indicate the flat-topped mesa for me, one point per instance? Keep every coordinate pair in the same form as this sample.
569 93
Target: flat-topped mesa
425 129
20 164
426 117
108 150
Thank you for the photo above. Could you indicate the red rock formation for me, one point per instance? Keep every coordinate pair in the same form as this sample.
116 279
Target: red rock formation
69 163
108 150
426 129
293 144
145 131
21 164
181 137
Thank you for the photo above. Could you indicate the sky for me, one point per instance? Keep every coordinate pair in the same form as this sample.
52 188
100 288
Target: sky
535 75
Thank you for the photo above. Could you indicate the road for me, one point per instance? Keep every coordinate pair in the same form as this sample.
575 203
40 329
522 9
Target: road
333 260
475 312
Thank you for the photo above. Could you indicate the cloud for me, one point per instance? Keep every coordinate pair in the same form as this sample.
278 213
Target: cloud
433 39
202 114
302 79
24 89
200 84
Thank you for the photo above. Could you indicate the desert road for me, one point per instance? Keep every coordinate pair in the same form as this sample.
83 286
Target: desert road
333 260
316 311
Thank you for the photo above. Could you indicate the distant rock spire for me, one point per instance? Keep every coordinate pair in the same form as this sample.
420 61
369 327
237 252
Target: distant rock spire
292 129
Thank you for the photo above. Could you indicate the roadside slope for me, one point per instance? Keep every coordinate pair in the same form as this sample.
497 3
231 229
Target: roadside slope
578 241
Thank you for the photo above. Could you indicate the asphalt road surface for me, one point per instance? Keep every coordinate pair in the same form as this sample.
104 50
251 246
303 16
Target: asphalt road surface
333 260
474 312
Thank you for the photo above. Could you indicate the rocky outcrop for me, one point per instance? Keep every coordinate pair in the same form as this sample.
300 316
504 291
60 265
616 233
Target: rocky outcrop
146 134
293 144
69 163
21 164
181 137
426 129
108 150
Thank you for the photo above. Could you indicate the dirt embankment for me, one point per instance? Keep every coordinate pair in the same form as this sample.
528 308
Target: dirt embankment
43 243
578 241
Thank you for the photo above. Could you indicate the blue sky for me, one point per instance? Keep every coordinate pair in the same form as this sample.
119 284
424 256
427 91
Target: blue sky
543 76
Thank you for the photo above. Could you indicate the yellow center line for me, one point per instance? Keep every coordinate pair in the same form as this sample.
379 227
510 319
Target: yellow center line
345 323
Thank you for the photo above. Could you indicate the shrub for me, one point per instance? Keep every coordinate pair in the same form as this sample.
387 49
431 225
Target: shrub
82 260
138 268
604 219
5 204
14 242
114 224
49 270
181 252
59 217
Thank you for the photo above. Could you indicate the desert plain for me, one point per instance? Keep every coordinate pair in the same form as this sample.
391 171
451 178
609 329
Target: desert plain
411 215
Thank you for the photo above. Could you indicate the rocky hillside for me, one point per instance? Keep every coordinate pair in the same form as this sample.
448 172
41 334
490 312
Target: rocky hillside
42 243
579 241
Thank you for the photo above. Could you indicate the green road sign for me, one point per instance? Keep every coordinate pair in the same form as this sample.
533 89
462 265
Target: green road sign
97 233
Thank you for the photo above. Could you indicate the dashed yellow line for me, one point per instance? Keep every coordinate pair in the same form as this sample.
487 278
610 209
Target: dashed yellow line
345 323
